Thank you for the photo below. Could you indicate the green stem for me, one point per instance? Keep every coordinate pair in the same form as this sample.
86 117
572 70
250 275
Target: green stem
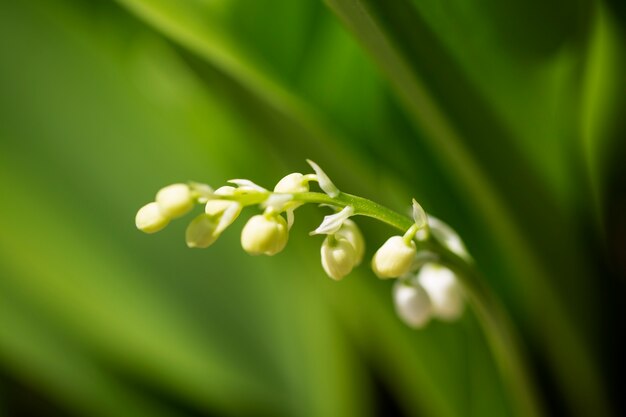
499 330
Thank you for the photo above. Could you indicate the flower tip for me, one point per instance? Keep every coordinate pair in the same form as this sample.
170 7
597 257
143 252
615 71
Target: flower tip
150 219
175 200
419 215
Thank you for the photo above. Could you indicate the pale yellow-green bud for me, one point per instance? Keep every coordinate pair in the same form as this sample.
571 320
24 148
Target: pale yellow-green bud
264 235
149 218
338 257
175 200
201 231
394 258
350 231
292 183
412 303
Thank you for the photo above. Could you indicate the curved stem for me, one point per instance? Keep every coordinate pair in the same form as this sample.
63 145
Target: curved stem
499 330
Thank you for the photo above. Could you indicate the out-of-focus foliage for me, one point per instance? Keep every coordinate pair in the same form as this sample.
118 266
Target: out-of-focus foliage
502 119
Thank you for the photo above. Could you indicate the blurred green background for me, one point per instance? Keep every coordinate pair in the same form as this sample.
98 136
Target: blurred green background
505 119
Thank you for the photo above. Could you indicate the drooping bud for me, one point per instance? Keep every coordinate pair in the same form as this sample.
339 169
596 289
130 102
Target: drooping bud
201 231
394 258
350 231
175 200
149 218
412 304
444 290
292 183
264 235
338 257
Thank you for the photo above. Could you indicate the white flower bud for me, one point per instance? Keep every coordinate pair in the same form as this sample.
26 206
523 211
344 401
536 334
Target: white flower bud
350 231
264 235
175 200
338 257
444 291
412 304
149 218
394 258
201 231
292 183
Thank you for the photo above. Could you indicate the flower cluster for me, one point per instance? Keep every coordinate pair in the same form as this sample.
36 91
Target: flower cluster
424 289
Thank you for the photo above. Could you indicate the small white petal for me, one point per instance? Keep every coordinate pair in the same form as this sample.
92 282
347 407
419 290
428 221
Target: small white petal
263 235
228 216
322 179
419 215
333 222
290 218
149 218
174 200
338 257
444 290
448 237
412 304
247 185
394 258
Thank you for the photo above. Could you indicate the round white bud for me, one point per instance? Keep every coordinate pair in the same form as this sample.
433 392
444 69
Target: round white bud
350 231
292 183
412 304
444 291
338 257
201 231
264 235
175 200
394 258
149 218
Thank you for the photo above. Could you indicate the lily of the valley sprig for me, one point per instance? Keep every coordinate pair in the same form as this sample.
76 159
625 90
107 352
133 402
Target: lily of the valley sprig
425 289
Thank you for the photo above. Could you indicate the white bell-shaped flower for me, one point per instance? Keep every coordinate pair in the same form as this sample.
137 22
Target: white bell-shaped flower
264 234
150 219
444 290
338 257
201 231
412 304
292 183
175 200
350 231
394 258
